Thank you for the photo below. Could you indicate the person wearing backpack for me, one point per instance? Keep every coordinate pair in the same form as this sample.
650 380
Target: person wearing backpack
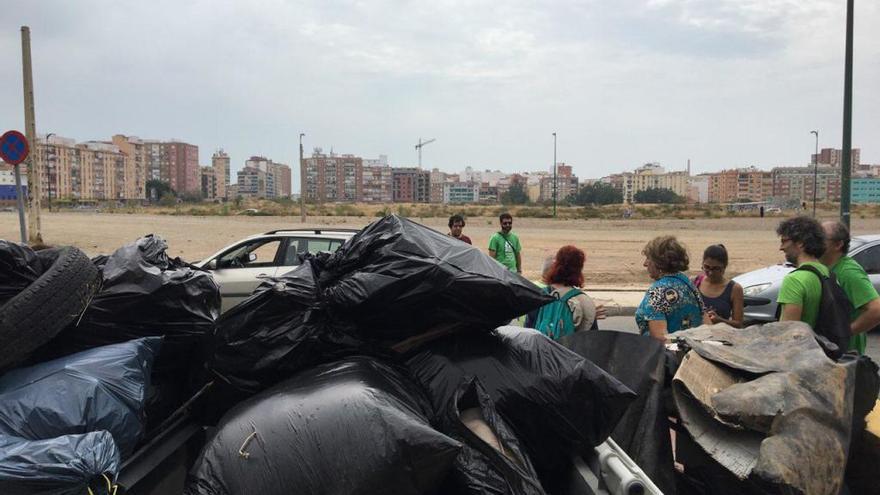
810 293
572 310
855 283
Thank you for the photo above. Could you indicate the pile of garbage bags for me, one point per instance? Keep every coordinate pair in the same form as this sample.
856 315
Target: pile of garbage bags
95 354
387 365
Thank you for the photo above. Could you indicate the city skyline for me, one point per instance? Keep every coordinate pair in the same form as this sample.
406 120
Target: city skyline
724 84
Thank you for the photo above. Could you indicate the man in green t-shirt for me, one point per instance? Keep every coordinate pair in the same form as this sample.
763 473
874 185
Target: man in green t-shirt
504 246
803 242
854 281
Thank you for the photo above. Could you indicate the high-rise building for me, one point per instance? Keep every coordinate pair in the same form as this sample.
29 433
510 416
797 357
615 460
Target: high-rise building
220 163
135 164
566 184
411 185
833 157
183 167
742 184
866 190
263 178
377 180
461 192
211 181
333 177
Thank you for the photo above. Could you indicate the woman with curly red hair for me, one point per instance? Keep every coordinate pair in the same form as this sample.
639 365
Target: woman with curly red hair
564 280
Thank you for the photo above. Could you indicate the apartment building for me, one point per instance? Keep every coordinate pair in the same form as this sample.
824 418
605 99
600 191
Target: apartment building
135 164
221 164
834 157
411 185
378 181
742 184
211 182
863 190
333 177
797 183
461 192
566 184
183 167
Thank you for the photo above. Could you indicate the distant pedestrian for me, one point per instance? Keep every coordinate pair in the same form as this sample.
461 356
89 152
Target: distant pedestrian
456 225
723 298
803 242
855 283
504 245
671 303
573 310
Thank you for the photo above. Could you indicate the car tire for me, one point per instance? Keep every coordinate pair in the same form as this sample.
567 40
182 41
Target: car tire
36 314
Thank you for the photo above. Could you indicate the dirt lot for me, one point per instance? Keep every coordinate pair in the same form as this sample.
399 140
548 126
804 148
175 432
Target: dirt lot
613 247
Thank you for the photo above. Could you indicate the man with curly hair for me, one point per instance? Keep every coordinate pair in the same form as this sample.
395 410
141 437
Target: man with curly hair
802 239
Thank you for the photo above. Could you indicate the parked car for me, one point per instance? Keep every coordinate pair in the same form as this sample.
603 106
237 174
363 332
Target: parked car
240 267
761 287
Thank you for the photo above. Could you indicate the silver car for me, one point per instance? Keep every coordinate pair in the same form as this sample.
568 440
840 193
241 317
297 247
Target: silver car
240 267
761 287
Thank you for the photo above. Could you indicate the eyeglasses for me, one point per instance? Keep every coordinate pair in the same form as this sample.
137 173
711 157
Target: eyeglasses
709 268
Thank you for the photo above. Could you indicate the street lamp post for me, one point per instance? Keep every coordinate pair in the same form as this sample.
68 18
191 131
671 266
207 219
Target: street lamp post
815 171
302 182
48 169
555 184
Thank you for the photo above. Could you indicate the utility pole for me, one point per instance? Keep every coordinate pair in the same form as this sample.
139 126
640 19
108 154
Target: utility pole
302 181
420 146
815 171
34 174
555 183
846 155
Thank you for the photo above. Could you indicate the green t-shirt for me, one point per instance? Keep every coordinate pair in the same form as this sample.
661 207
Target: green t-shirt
855 282
505 250
804 289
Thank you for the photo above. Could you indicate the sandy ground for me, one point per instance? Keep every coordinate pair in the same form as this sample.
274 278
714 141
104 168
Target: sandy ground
613 247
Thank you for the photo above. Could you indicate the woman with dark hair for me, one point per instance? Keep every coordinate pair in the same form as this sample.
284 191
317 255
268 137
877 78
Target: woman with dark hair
671 303
723 298
564 280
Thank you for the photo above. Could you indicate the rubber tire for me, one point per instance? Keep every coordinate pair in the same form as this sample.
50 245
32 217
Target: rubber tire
56 299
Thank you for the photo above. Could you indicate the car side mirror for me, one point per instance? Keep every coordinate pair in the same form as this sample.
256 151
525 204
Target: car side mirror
211 265
252 257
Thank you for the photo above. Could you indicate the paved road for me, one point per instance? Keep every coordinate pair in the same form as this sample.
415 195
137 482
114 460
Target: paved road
628 324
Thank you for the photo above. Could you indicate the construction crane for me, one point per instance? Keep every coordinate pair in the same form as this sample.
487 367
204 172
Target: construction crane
420 146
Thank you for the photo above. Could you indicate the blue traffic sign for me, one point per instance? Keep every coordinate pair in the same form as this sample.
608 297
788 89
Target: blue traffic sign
13 147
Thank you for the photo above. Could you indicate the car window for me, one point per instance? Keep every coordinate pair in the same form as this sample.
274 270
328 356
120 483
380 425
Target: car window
869 259
295 247
264 252
319 245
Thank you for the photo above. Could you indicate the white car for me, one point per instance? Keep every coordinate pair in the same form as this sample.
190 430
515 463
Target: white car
240 267
761 287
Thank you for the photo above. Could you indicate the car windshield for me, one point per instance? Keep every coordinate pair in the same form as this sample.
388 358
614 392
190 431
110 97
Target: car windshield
854 244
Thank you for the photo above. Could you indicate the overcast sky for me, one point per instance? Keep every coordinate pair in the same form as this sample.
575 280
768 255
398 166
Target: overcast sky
724 83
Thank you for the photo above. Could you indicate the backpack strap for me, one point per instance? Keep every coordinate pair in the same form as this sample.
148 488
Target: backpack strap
571 293
812 269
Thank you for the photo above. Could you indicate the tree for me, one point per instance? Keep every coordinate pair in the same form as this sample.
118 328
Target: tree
157 189
657 195
597 194
516 195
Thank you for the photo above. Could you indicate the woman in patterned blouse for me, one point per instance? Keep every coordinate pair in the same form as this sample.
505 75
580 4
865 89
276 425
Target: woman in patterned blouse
671 302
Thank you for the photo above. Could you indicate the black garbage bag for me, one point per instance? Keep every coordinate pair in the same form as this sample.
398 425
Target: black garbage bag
640 364
98 389
277 332
19 267
491 458
145 293
401 281
355 426
557 402
65 465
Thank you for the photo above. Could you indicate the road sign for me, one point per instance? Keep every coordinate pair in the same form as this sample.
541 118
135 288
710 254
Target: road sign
13 147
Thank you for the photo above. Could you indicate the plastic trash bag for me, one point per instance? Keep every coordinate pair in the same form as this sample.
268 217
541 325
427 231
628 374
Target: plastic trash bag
640 364
145 293
356 426
65 465
491 459
557 402
277 332
399 280
98 389
19 267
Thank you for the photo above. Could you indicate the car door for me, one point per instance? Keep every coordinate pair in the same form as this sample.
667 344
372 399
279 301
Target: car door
240 269
869 258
